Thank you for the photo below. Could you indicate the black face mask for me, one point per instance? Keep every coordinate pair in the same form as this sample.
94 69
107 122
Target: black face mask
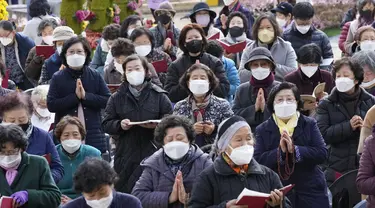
367 14
236 31
25 126
164 19
194 46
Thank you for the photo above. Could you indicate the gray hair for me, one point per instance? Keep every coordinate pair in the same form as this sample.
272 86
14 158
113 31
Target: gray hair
51 22
365 58
40 93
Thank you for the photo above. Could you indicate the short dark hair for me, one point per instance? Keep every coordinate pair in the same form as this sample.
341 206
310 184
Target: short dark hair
46 23
353 65
214 82
137 32
93 173
214 48
240 15
130 20
122 46
66 120
134 57
39 8
185 30
173 121
14 134
16 100
303 11
284 86
272 19
309 53
7 25
111 32
72 41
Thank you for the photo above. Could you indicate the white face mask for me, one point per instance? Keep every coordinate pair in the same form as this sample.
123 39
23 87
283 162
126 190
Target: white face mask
203 20
104 45
228 2
43 112
368 84
344 84
6 41
10 161
303 29
367 45
242 155
59 49
101 203
285 110
309 71
260 73
130 32
71 145
119 67
176 149
281 22
143 50
135 78
199 87
48 39
76 60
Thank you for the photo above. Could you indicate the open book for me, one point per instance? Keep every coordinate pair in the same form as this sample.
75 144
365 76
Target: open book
6 202
317 90
256 199
113 87
44 50
235 48
215 37
144 122
160 66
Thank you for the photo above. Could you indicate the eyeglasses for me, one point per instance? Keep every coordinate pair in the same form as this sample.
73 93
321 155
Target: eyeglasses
72 52
288 101
10 152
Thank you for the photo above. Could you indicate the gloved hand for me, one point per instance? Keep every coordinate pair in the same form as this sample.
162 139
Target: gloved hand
20 197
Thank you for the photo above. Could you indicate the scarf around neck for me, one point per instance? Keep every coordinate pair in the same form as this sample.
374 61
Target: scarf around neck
199 109
289 126
266 83
233 40
167 33
135 92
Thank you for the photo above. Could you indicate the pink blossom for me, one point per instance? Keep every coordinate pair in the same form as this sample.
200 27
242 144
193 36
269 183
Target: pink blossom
132 5
116 19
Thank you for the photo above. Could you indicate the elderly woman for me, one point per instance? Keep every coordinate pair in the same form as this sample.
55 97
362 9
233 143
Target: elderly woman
367 60
184 160
95 178
79 91
205 17
291 141
34 62
340 117
17 108
365 39
137 99
193 42
71 133
26 178
204 109
41 117
267 34
235 169
129 24
250 99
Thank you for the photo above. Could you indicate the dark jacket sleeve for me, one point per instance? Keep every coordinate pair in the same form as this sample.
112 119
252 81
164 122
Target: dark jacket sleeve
171 85
366 177
96 62
111 121
57 169
44 77
97 101
220 73
32 67
348 17
261 153
326 47
57 104
154 76
48 195
166 106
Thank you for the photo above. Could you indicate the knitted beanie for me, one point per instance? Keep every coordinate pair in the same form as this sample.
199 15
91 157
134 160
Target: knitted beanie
63 33
226 131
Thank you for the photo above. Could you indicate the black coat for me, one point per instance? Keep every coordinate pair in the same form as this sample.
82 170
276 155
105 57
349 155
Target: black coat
135 144
182 64
334 123
218 184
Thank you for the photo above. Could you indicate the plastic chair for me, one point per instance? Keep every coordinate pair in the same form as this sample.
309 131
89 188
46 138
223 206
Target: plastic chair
361 204
344 191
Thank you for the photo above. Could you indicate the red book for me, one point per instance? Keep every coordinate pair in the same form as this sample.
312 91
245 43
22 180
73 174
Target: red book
113 87
4 83
51 127
256 199
45 50
6 202
235 48
160 66
48 158
215 37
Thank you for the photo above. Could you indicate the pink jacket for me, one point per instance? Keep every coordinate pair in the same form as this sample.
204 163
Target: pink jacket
343 35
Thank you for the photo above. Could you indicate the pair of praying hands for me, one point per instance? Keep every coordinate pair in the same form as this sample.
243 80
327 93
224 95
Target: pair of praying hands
178 191
80 91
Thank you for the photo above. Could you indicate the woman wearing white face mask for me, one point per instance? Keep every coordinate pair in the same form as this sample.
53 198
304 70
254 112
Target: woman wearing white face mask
95 178
79 91
71 133
180 159
41 117
365 39
34 62
137 99
284 16
235 169
309 75
291 145
250 99
340 117
54 63
26 178
205 109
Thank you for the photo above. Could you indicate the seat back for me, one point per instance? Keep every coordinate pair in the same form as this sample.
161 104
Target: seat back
344 191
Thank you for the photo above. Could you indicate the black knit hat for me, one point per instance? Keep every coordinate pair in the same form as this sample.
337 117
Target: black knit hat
260 53
202 6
